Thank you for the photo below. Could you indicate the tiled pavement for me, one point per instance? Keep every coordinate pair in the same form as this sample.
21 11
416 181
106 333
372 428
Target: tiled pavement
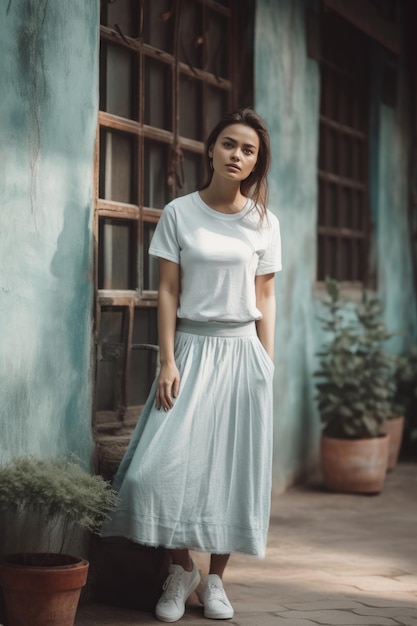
332 560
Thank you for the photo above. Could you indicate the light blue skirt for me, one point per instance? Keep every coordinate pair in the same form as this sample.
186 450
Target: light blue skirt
199 475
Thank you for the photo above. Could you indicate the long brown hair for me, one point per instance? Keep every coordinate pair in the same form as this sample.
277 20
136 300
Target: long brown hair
255 186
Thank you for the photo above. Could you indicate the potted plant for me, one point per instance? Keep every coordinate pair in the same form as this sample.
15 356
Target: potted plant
410 401
394 424
353 393
404 404
45 505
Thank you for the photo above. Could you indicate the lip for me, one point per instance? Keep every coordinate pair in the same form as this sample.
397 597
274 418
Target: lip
233 166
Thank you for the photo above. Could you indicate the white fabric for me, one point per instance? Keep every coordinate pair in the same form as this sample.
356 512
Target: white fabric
220 255
199 475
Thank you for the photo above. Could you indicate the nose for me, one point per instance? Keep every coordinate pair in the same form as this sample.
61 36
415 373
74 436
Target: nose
235 156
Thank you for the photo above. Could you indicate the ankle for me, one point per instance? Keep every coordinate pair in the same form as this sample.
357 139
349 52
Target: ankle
189 566
186 565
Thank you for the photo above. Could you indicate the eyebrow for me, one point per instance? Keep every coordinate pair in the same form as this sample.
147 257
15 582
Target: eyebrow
247 145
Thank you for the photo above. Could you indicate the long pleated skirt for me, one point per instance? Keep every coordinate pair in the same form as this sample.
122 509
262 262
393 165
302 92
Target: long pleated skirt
199 475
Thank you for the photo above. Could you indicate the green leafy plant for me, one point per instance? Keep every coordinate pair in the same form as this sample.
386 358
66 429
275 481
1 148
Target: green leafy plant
354 387
405 396
402 376
43 502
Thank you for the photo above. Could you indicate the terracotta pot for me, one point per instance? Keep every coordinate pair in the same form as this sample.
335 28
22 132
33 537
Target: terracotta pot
354 465
393 427
42 595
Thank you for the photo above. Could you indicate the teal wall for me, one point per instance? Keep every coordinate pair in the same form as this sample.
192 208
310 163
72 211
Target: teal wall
48 112
287 96
391 148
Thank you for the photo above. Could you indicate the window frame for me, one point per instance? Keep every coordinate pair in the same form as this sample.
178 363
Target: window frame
142 132
333 239
131 301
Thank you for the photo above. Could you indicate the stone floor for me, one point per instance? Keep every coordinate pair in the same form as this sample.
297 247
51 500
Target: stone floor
332 560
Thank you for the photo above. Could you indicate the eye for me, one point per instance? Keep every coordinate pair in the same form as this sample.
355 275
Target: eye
227 144
248 151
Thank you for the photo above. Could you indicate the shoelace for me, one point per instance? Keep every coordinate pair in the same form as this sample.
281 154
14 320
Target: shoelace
217 592
171 586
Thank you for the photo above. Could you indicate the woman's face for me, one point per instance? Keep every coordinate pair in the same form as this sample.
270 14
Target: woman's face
235 152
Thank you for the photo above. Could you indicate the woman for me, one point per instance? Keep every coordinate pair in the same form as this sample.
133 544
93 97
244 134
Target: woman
197 473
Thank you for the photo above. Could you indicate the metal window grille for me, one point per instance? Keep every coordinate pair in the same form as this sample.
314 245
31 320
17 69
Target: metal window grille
343 178
168 71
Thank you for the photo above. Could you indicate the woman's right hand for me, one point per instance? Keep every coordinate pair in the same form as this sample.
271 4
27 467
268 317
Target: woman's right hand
167 387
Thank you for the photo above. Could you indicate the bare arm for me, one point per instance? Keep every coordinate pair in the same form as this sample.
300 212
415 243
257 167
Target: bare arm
265 301
169 377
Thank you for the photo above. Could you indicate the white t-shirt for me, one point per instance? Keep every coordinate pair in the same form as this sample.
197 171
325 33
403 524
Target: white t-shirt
219 255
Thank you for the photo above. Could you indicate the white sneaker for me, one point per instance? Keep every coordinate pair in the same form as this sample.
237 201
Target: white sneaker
176 589
214 599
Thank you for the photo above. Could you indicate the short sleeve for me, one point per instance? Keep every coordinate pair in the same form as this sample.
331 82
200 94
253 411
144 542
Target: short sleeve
270 259
164 242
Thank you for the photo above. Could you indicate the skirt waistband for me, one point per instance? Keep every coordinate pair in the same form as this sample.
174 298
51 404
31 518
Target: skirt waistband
217 329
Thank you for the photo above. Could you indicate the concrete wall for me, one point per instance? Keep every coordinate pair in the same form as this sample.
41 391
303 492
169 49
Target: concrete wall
48 111
391 148
287 95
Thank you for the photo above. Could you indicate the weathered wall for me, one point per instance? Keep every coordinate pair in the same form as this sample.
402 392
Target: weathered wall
48 109
287 95
390 206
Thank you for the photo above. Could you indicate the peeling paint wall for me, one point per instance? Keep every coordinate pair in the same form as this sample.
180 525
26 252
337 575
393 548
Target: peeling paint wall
391 147
48 113
287 95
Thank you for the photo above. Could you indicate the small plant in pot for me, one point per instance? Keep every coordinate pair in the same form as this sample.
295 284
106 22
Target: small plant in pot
394 424
410 426
404 406
353 393
45 505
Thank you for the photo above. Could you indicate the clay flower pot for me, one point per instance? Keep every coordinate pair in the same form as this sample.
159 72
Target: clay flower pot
393 427
42 595
354 465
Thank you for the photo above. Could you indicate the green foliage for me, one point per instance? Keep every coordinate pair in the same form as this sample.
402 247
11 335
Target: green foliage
56 491
405 397
354 387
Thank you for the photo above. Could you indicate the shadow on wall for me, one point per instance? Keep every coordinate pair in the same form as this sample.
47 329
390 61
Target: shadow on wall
72 266
32 82
14 432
